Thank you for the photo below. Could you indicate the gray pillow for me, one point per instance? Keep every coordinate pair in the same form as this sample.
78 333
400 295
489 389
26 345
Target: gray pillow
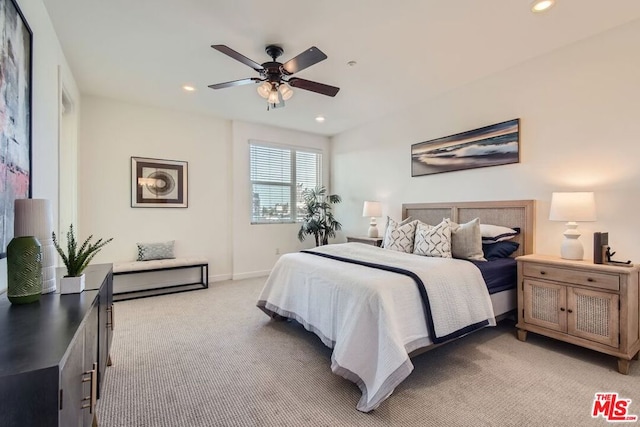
466 240
157 250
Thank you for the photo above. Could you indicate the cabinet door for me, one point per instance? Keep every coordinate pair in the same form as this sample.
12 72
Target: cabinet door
545 304
71 385
105 330
593 315
90 366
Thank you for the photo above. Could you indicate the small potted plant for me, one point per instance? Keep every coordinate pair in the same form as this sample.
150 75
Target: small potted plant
76 260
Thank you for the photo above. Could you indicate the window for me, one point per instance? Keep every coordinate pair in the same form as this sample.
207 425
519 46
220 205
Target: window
279 175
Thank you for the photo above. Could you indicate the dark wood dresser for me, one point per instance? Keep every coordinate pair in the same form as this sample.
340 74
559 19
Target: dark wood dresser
54 353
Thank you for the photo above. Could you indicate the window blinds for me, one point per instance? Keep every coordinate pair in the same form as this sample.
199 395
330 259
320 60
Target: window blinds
279 175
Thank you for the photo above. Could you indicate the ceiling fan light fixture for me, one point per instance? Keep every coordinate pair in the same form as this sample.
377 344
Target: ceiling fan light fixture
541 5
275 82
285 91
264 90
274 97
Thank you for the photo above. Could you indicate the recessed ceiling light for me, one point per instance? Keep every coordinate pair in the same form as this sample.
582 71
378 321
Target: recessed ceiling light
541 5
320 119
189 88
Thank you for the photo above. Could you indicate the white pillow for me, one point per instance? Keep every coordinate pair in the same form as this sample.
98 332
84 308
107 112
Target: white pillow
466 240
496 233
392 221
433 241
157 250
400 237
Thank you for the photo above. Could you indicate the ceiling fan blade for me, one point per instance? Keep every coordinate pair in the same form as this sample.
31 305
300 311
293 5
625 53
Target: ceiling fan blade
313 86
235 83
311 56
237 56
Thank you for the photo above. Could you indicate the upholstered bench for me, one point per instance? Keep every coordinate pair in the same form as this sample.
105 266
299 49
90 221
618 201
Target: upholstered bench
137 279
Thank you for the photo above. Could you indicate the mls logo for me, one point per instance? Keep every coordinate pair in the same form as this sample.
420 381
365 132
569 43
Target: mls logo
612 408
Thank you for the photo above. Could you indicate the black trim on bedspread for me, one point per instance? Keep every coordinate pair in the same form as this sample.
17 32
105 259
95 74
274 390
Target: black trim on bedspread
421 289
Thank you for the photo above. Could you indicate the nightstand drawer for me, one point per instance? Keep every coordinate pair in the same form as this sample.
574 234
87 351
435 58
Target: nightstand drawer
578 277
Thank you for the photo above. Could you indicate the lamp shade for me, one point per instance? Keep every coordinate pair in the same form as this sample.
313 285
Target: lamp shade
34 217
286 91
573 206
372 209
264 89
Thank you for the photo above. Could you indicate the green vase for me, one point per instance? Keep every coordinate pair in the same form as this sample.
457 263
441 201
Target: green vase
24 270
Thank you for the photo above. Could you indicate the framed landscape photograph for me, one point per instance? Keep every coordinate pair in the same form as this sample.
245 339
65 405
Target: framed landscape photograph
157 183
16 41
493 145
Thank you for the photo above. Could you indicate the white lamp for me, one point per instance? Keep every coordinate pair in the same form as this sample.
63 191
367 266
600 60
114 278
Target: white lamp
34 217
372 209
572 207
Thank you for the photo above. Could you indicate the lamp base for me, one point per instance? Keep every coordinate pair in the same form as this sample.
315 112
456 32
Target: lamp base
572 247
373 228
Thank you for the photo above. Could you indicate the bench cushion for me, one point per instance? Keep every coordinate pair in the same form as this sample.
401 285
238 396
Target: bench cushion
130 266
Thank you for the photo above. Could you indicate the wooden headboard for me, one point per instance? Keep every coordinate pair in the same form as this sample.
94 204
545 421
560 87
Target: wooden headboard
507 213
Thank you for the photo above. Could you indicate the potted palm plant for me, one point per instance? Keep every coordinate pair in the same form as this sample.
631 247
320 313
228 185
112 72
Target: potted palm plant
76 260
318 219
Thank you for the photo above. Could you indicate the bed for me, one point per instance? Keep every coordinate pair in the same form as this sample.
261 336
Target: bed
376 308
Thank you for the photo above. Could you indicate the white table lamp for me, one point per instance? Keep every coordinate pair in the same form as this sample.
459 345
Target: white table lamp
373 210
34 217
572 207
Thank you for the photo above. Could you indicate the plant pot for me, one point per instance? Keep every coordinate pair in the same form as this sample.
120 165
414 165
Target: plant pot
72 285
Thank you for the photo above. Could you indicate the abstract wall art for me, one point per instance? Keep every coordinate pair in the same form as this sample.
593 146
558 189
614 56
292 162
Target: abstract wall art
157 183
493 145
15 115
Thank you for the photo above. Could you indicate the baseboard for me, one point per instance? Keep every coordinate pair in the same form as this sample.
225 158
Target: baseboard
220 277
251 274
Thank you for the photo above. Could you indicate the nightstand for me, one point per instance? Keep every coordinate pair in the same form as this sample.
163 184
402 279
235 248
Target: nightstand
590 305
374 241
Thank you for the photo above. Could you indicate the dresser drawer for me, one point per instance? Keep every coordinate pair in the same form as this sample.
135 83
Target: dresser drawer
578 277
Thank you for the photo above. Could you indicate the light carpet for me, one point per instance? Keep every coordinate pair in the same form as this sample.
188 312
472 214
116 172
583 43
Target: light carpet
211 358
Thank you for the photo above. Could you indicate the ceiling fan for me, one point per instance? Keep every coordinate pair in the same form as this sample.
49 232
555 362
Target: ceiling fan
275 77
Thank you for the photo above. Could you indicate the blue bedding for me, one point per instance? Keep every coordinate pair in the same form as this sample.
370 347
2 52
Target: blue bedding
500 274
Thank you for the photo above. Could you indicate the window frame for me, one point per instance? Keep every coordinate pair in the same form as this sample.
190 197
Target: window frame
293 149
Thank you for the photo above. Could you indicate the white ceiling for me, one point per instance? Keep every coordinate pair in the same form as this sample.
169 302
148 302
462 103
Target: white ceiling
407 52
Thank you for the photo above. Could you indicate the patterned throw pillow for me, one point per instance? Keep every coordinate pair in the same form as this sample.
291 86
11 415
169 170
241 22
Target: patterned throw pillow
399 237
159 250
433 241
466 240
389 222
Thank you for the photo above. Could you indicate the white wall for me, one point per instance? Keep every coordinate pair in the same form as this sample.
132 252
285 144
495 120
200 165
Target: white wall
254 246
580 125
111 132
217 223
48 63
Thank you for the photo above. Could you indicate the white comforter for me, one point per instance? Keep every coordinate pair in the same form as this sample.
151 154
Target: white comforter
374 318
